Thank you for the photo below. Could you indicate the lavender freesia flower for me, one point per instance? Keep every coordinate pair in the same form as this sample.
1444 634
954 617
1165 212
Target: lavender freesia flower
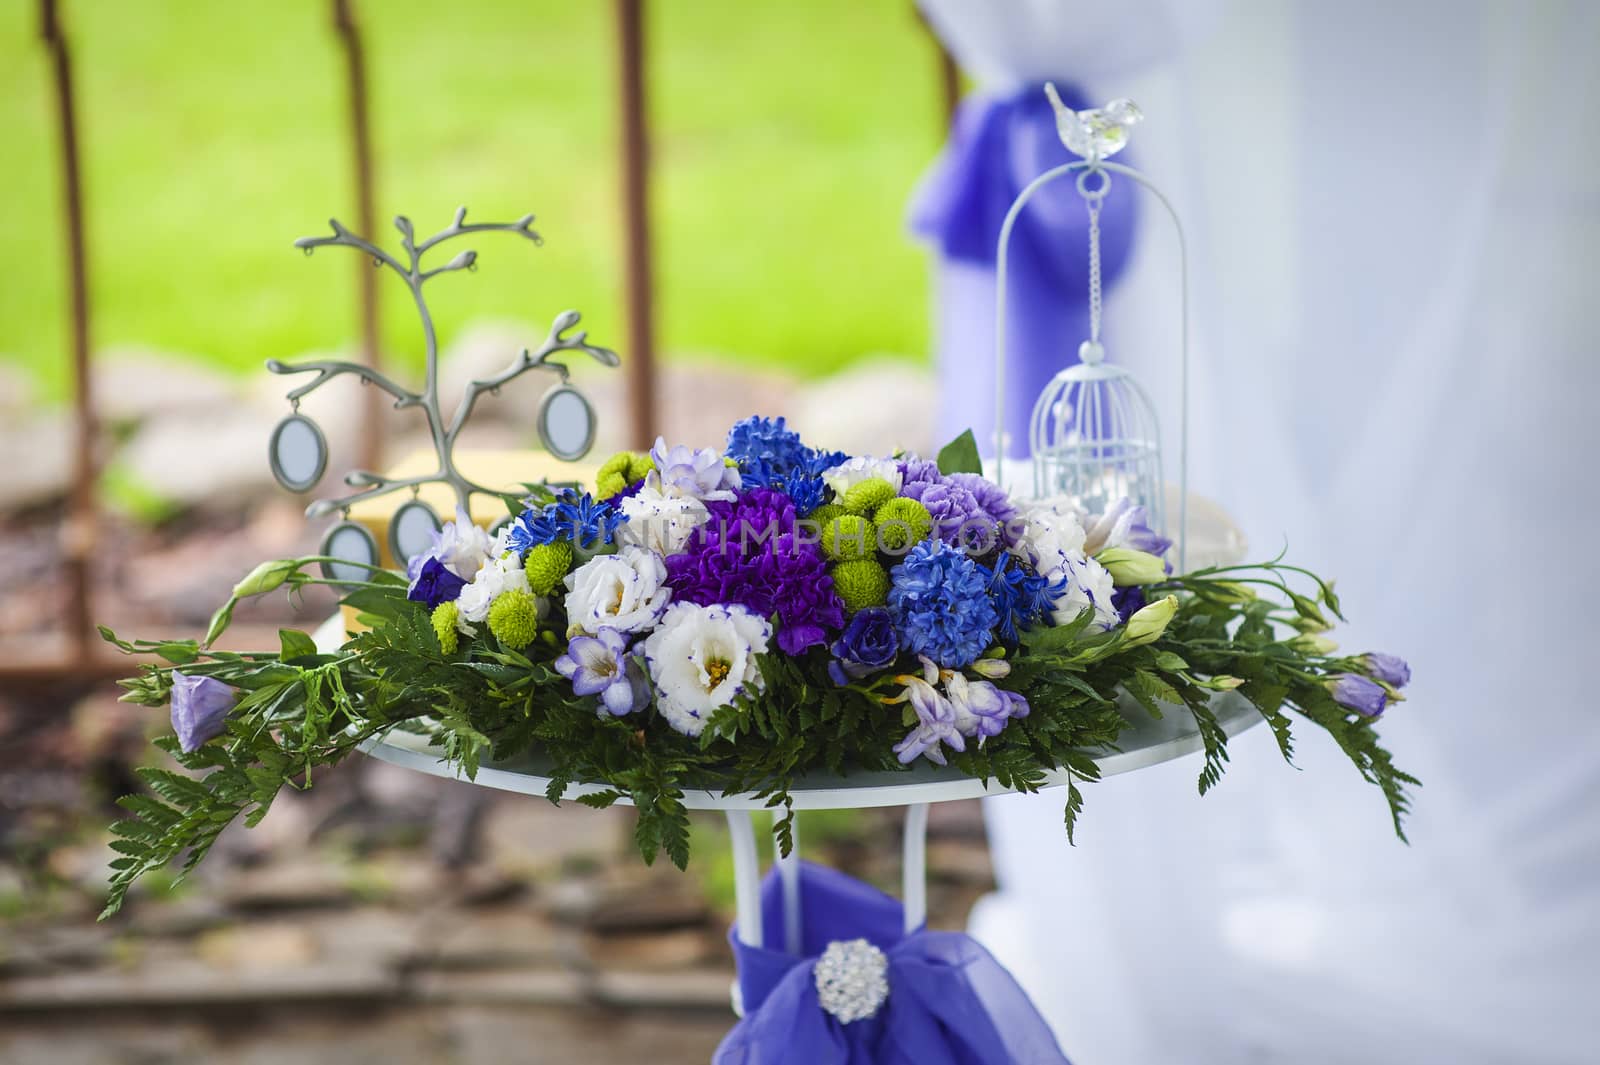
936 721
435 584
600 665
686 472
200 708
1361 694
868 643
1391 669
982 709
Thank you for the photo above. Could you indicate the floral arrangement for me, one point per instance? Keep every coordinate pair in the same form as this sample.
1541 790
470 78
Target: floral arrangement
735 619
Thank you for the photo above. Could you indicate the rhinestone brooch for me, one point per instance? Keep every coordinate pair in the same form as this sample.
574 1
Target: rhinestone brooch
852 979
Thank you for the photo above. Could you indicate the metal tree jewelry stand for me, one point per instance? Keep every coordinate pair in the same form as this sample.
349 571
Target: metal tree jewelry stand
298 451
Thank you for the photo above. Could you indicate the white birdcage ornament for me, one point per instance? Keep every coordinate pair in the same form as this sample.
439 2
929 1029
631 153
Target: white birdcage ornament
1093 435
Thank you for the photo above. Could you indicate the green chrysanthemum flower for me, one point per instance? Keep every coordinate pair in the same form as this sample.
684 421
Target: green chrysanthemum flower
849 536
546 564
444 619
860 583
514 618
900 523
824 514
621 470
868 496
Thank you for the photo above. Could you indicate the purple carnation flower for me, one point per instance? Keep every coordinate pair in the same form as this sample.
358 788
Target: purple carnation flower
200 708
990 496
749 553
435 584
869 643
1361 694
969 511
1391 669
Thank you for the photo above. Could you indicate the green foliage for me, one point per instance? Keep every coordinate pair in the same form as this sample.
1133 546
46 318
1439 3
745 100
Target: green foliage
301 710
961 455
251 98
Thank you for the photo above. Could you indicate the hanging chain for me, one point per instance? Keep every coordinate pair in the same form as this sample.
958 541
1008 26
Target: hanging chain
1094 267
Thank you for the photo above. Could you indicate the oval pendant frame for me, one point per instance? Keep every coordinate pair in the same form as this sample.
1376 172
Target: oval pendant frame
542 422
273 460
347 526
397 521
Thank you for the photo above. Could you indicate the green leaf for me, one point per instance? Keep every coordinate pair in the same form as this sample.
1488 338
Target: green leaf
295 644
961 455
1074 807
600 800
1168 662
379 602
1059 637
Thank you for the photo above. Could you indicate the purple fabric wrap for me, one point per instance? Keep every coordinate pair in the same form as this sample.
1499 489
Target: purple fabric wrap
950 1002
999 144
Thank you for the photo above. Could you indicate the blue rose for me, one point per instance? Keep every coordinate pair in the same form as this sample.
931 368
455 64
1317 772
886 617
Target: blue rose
868 643
1361 694
200 708
435 584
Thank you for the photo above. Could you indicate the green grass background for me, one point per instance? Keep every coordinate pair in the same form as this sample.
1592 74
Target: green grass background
787 140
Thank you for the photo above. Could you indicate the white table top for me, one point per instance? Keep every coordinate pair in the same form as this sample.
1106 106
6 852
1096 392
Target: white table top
1148 742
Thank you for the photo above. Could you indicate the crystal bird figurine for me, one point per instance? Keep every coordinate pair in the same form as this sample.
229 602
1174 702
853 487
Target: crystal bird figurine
1097 133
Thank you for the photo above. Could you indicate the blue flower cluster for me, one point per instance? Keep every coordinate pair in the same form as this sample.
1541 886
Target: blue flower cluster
773 456
1021 598
574 516
940 601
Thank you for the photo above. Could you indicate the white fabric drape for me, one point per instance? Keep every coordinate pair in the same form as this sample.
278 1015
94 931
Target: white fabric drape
1393 217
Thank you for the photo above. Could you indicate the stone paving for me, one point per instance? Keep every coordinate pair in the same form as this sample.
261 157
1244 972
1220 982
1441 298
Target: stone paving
357 924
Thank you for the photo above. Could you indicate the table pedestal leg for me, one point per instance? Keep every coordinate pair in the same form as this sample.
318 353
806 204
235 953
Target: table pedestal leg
914 879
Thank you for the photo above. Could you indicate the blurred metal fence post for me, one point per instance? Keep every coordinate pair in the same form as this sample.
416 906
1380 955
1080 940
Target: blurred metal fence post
639 358
78 530
344 23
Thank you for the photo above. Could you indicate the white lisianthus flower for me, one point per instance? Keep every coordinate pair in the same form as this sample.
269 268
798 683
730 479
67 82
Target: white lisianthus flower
1050 533
626 591
702 658
848 474
459 545
493 579
660 522
1123 525
1089 587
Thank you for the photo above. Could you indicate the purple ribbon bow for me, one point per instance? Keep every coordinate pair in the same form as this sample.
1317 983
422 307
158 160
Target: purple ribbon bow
949 1002
999 144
